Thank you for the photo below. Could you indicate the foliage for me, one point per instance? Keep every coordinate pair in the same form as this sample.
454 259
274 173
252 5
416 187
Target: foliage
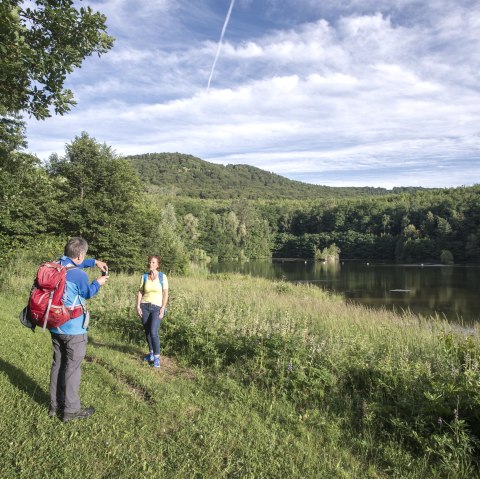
39 45
100 201
93 192
330 253
166 242
198 255
29 201
446 257
407 227
178 174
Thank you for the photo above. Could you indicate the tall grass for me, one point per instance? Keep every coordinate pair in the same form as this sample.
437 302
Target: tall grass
259 379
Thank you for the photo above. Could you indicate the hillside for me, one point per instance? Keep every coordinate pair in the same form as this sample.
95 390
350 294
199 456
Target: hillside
186 175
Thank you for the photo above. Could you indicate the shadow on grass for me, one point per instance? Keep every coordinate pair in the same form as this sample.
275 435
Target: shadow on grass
25 383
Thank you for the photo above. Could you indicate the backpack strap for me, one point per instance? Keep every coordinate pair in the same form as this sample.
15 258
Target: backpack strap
67 266
145 278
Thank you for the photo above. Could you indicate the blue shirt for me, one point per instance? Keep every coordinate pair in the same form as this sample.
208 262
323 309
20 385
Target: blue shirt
77 291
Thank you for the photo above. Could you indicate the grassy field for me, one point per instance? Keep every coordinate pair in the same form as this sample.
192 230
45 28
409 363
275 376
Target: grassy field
259 379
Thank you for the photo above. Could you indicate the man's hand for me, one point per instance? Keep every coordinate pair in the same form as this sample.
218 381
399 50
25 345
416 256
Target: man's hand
102 280
101 265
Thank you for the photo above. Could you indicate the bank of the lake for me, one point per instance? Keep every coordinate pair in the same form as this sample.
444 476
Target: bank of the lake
261 379
448 291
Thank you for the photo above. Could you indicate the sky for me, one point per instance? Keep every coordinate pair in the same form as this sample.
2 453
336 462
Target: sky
341 93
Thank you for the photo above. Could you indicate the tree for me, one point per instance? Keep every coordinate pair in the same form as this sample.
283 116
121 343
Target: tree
446 257
27 196
190 231
386 220
28 202
41 41
472 247
101 200
38 47
330 253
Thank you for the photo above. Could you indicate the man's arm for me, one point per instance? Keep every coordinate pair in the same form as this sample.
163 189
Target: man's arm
87 290
92 262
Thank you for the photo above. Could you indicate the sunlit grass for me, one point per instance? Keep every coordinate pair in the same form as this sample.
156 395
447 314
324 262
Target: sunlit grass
259 379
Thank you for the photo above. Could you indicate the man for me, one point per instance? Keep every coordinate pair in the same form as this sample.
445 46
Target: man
70 340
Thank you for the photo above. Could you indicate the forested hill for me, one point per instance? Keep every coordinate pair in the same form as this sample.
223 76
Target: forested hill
186 175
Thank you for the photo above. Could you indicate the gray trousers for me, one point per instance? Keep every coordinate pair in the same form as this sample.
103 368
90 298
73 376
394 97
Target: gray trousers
68 354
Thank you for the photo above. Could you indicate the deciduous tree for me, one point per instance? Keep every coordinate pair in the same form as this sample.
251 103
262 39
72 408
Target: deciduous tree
101 200
41 42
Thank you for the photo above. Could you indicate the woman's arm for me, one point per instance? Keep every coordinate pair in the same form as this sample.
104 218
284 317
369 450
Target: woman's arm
139 300
164 303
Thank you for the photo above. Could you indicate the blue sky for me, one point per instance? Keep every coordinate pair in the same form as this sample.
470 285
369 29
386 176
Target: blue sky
352 93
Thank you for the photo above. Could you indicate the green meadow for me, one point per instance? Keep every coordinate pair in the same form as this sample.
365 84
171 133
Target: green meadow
259 379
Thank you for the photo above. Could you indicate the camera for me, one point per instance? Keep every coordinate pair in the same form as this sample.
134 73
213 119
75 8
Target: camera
104 273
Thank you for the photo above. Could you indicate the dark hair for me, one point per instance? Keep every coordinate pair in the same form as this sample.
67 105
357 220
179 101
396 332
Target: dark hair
156 257
75 247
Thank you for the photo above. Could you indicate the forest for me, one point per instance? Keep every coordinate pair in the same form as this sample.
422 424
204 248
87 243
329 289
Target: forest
186 175
126 208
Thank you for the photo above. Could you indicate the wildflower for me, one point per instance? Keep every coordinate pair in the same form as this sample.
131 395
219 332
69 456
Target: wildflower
455 414
440 421
290 367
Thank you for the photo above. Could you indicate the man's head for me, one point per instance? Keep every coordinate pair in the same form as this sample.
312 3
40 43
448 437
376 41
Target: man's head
76 248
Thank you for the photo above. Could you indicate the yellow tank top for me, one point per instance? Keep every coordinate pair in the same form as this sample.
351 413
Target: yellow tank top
152 290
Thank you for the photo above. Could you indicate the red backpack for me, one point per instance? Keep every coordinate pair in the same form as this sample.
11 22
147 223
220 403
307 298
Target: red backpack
45 305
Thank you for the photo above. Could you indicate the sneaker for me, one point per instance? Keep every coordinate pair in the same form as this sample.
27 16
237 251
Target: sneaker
156 362
149 358
82 414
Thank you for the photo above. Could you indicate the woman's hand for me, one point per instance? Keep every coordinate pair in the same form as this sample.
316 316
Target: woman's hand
162 312
139 311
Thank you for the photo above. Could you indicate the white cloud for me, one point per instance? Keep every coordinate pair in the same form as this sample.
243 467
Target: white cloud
363 92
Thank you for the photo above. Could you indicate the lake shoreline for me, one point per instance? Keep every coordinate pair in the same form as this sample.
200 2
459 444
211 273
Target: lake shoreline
427 289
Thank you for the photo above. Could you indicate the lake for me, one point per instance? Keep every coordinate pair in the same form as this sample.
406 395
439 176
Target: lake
450 291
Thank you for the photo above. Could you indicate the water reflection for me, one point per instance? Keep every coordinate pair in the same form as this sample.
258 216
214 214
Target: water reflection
450 291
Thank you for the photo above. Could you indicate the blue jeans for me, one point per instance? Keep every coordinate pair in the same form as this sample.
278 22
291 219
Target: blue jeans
151 324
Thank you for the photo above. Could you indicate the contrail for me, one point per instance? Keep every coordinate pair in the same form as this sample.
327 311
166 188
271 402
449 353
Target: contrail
227 18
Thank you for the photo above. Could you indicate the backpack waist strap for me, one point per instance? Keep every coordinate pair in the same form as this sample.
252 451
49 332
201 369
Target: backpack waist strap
76 311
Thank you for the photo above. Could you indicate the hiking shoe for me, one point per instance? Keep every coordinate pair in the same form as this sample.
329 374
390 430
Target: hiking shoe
149 357
81 414
156 362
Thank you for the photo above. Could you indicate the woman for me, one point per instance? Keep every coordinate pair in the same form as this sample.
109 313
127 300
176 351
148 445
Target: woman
152 300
